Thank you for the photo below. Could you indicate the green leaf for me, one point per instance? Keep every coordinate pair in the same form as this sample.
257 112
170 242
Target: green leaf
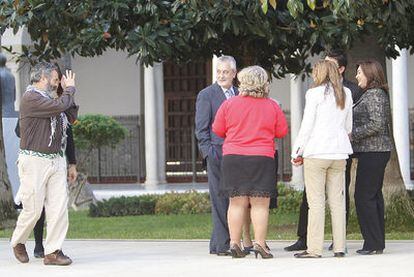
312 4
292 6
264 6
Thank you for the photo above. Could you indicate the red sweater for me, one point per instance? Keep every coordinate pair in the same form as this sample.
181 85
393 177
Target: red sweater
249 126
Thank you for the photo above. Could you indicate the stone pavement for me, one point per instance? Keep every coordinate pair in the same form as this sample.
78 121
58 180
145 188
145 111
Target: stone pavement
189 258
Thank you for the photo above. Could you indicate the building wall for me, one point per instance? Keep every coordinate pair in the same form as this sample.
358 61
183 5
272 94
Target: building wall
108 84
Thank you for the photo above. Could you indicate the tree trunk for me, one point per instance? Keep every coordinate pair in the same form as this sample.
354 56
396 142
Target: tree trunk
368 48
7 211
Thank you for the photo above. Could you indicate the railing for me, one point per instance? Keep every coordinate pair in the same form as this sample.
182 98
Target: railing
121 164
126 162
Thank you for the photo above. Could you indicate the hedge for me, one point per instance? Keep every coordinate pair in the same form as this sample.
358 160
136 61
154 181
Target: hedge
189 202
193 202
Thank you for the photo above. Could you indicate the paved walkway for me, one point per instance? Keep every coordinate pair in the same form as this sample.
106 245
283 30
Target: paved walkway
189 258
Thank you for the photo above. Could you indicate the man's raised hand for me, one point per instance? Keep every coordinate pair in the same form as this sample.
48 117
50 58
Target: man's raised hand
68 80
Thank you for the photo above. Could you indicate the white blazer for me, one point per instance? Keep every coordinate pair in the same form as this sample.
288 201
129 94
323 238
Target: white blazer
325 127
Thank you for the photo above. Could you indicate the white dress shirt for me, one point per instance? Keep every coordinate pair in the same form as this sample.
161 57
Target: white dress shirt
325 127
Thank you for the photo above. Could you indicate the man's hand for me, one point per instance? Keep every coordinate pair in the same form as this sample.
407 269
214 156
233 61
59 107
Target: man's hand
72 173
68 80
298 161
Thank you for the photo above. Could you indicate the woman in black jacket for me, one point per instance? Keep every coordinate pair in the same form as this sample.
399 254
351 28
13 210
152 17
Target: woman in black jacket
372 145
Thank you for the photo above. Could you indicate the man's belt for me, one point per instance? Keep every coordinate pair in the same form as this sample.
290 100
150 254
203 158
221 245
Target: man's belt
40 154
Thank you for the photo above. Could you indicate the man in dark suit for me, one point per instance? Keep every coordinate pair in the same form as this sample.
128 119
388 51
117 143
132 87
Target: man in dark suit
338 57
210 145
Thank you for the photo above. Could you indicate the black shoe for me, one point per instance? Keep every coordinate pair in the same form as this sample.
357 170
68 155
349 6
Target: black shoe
339 254
330 248
39 255
297 246
307 255
39 252
225 253
369 252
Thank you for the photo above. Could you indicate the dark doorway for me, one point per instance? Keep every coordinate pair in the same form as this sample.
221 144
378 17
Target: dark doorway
181 85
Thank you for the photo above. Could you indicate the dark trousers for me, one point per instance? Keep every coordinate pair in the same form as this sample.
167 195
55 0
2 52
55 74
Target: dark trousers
369 201
304 207
220 238
38 231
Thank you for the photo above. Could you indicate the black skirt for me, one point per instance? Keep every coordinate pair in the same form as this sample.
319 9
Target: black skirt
253 176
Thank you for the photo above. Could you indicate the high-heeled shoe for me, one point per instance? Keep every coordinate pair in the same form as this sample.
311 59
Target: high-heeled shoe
258 249
236 252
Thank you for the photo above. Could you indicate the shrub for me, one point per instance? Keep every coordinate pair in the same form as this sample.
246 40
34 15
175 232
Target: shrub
191 202
93 131
289 199
398 216
399 213
122 206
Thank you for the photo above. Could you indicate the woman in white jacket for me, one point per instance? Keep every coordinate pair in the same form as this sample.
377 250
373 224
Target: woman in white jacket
324 144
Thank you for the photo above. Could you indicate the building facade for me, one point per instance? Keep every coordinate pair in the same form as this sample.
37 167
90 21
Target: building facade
160 100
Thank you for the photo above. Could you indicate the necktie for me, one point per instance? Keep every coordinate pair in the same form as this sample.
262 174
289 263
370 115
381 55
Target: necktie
229 94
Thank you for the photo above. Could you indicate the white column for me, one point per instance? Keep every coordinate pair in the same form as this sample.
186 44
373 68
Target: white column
153 135
296 113
401 115
159 87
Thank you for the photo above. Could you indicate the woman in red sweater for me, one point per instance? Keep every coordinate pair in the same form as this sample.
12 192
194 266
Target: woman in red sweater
249 123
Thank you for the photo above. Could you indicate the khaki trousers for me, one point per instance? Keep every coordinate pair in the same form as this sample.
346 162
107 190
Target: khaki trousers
325 175
43 183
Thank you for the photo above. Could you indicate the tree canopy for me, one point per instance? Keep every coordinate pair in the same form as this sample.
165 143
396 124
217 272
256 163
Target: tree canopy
277 34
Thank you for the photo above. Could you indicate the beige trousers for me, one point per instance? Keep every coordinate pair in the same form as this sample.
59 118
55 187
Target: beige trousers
43 183
325 175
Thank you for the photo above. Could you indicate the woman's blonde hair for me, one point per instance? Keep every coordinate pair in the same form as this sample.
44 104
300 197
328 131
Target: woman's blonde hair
254 82
326 72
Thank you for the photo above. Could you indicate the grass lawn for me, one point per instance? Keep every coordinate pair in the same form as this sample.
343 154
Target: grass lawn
281 227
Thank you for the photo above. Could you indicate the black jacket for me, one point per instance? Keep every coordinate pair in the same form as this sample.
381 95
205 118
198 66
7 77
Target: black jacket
371 122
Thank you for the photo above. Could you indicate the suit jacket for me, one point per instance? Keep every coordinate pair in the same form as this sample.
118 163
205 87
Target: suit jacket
208 102
371 122
355 90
